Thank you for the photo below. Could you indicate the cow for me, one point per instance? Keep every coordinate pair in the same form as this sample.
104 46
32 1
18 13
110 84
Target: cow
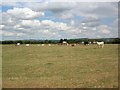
49 44
73 45
27 45
86 43
18 44
64 43
43 44
82 42
94 42
100 44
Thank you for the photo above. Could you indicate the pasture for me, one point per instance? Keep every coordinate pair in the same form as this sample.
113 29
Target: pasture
59 66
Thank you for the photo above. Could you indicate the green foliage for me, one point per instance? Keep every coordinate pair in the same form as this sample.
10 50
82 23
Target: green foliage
106 40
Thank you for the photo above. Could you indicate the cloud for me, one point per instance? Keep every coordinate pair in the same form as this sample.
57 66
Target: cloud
91 22
17 26
69 9
48 34
85 1
90 19
94 29
17 21
2 26
30 23
72 22
13 17
85 9
24 13
60 20
58 7
106 31
6 33
55 25
95 9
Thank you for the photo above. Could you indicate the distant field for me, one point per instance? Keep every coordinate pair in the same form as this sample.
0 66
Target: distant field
60 66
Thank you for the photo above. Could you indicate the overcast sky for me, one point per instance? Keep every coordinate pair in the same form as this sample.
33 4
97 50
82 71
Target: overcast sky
56 20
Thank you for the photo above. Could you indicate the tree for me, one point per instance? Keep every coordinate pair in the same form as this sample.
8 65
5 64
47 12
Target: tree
61 40
65 40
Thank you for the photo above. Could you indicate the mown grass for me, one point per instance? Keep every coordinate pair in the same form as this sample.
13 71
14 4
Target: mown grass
60 66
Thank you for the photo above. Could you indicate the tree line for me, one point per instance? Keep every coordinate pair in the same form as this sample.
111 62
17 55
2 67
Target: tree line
106 40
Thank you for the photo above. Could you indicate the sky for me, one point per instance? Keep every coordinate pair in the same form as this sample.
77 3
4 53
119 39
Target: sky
49 19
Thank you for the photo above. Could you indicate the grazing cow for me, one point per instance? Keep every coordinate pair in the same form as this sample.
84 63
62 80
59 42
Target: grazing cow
18 44
100 44
43 44
90 42
49 44
64 43
73 45
86 43
94 42
27 45
82 42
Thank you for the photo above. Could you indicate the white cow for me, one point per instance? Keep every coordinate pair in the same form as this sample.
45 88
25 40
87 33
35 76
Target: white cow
94 42
27 45
43 44
18 44
100 44
64 43
49 44
82 42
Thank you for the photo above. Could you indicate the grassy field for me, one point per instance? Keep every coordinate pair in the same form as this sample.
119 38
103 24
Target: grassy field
60 66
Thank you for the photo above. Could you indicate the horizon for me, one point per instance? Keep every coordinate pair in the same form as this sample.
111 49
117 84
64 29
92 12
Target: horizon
58 39
56 20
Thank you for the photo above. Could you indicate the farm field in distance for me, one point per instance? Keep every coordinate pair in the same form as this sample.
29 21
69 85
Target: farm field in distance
59 66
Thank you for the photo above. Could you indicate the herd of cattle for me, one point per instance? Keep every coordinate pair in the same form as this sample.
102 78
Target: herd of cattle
100 44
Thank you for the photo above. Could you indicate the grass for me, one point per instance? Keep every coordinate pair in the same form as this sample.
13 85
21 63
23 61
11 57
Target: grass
60 66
